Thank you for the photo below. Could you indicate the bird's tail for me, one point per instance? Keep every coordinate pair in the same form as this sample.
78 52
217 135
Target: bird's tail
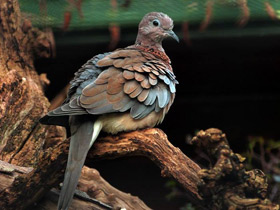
80 143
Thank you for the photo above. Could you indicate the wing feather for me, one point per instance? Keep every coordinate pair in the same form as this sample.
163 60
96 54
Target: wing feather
123 80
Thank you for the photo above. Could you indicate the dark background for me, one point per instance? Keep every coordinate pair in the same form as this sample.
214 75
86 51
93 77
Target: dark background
231 83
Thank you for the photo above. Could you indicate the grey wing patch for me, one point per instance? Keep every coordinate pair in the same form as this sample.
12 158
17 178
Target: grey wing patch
172 87
139 110
165 79
128 105
125 104
85 75
105 95
168 81
107 108
151 97
163 96
71 108
60 115
83 85
154 99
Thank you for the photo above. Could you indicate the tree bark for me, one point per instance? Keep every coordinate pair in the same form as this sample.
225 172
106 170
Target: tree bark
91 185
23 141
152 143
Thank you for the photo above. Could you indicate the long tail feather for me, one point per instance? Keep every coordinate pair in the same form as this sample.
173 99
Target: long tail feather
80 143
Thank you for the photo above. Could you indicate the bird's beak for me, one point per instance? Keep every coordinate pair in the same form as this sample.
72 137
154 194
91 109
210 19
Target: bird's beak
173 35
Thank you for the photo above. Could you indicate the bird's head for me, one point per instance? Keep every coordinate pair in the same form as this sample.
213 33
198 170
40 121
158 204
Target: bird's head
155 27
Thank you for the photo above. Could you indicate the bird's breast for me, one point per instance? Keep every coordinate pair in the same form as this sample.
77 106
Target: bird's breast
118 122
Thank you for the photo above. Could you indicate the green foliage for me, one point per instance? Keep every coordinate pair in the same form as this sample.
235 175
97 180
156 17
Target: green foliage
265 154
188 206
175 192
100 13
172 185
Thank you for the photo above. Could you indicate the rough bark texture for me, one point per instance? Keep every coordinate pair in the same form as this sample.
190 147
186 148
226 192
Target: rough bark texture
91 185
22 98
227 185
152 143
23 141
9 172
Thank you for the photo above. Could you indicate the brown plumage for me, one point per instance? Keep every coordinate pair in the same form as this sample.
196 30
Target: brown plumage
124 90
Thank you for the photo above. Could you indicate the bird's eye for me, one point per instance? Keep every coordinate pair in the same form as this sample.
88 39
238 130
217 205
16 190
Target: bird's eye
156 22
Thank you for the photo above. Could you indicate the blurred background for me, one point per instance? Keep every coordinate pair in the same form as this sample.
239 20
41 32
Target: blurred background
227 64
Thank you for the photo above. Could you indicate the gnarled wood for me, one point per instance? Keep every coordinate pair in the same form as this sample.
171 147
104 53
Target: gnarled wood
228 185
152 143
21 94
9 172
90 183
23 141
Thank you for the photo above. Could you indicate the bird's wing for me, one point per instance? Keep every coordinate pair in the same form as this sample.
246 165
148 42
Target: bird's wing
129 80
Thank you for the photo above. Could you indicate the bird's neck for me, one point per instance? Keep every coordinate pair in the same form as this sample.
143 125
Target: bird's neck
148 42
152 47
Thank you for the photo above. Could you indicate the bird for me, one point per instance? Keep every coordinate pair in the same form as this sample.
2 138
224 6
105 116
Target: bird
124 90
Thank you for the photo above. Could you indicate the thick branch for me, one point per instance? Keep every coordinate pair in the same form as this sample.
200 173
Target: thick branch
152 143
96 187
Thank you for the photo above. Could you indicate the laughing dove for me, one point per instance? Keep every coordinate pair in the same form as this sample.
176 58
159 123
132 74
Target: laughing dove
124 90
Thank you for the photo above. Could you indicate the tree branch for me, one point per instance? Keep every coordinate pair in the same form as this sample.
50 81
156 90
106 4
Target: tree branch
152 143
